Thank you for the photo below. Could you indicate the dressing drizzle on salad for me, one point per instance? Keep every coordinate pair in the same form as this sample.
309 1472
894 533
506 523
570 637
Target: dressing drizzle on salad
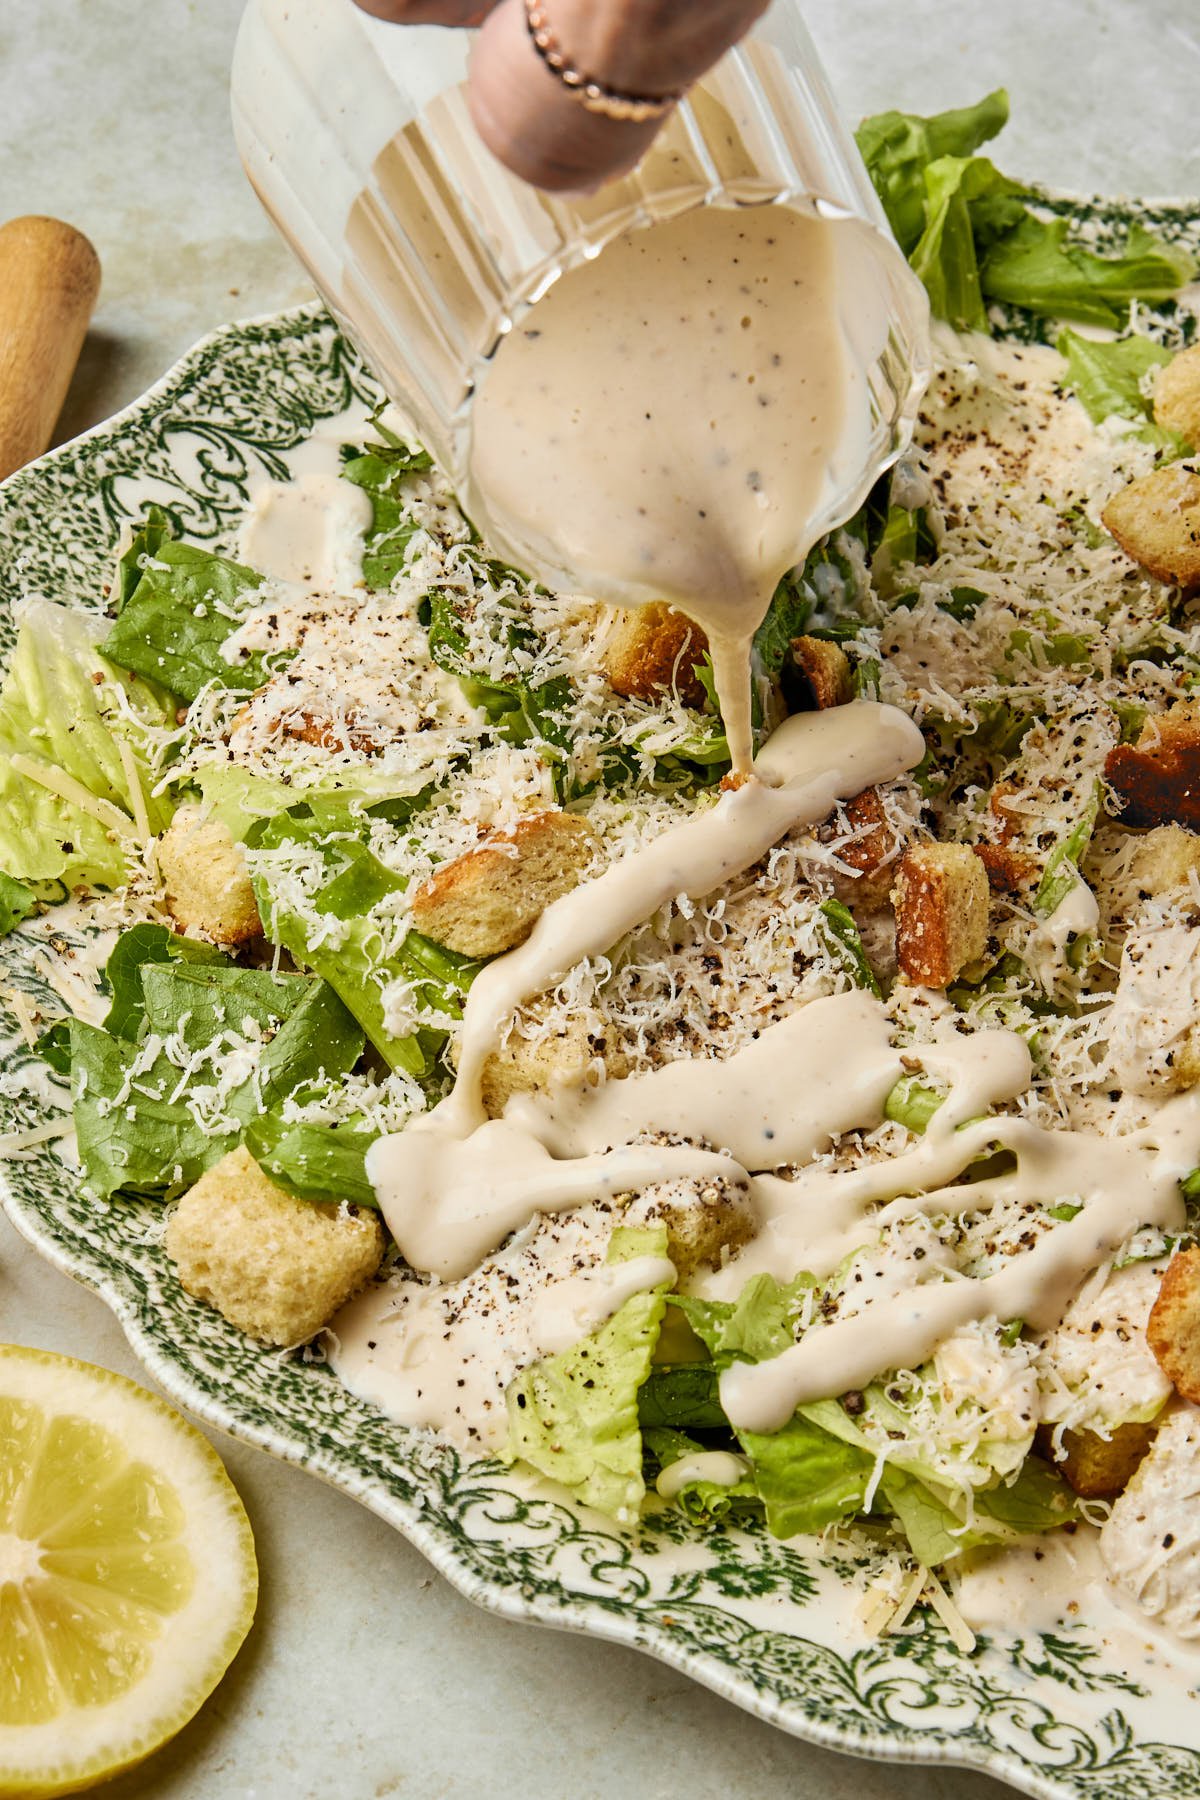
666 423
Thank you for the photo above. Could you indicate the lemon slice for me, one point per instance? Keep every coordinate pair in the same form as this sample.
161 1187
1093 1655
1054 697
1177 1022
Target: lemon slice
127 1573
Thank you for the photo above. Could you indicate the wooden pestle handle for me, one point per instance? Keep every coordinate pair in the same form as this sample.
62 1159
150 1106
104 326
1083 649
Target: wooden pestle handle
49 279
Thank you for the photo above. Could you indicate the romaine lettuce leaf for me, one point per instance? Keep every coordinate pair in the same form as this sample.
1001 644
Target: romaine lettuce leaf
314 1162
936 1534
379 469
221 1046
521 712
242 798
74 791
178 605
807 1478
145 542
1037 266
684 1397
842 936
142 944
973 236
1106 378
945 254
17 902
822 1466
574 1416
1061 873
754 1327
1037 1500
787 617
354 960
704 1502
898 147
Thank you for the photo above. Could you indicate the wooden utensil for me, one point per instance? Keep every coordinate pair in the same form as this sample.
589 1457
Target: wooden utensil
49 279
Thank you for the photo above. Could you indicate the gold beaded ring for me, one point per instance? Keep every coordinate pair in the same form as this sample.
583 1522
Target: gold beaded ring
594 95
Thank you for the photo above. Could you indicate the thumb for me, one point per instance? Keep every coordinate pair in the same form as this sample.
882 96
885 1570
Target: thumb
533 123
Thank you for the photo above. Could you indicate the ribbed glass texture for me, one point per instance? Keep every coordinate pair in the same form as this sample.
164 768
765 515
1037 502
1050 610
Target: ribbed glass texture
357 138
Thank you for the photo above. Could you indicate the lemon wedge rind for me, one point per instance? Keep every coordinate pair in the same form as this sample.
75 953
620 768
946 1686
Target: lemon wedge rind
128 1578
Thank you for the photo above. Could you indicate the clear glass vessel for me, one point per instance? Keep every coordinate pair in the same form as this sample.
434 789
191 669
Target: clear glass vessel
357 139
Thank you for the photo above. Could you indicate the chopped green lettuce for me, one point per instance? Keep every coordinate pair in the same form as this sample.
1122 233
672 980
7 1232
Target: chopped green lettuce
912 1104
220 1046
1036 1499
1036 265
354 959
704 1502
70 801
242 799
314 1162
521 712
898 147
824 1466
935 1533
787 617
142 944
1106 378
807 1478
178 606
684 1396
945 255
17 902
1061 873
574 1416
842 937
380 470
973 236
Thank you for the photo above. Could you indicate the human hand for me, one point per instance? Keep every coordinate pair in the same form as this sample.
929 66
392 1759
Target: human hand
537 126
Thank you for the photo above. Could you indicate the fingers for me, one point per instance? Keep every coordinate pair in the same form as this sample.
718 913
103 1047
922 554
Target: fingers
533 124
428 12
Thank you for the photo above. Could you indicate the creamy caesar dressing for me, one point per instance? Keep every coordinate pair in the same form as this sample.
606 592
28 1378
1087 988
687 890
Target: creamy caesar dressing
664 424
1076 915
454 1185
441 1355
719 1467
307 530
825 1069
811 762
1119 1184
1061 1580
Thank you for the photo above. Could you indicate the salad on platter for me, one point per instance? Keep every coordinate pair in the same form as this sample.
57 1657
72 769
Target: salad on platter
853 1187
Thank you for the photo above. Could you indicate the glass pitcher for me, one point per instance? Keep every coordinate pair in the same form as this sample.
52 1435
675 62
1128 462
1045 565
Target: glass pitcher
357 139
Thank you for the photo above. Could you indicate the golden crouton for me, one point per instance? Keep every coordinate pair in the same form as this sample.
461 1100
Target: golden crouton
1095 1466
490 899
1156 520
648 650
276 1267
207 889
561 1058
306 728
1173 1329
1157 780
870 851
815 676
1177 396
941 901
1163 859
703 1224
1009 869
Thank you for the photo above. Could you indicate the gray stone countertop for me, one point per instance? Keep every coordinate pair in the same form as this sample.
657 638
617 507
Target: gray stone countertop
366 1675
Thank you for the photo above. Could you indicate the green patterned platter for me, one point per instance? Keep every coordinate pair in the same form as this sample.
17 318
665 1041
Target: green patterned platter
770 1626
